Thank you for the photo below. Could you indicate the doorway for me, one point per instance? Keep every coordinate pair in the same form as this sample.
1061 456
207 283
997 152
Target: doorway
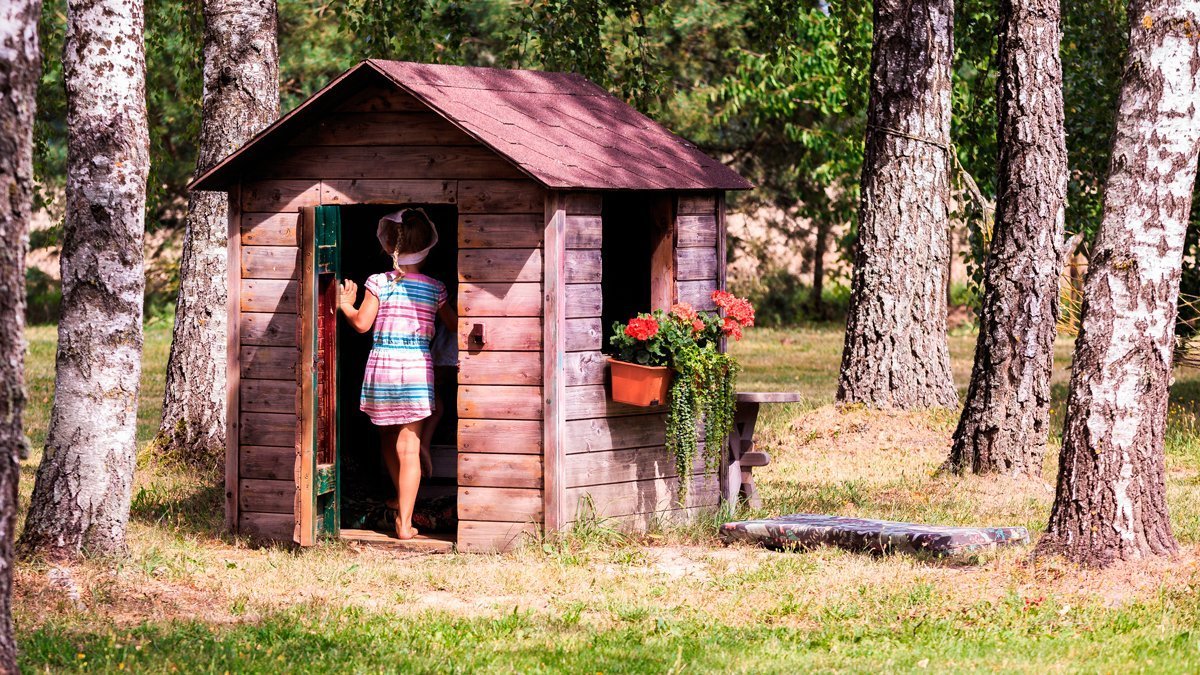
365 486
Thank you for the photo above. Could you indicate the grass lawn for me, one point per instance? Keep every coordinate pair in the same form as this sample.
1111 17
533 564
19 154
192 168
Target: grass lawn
191 598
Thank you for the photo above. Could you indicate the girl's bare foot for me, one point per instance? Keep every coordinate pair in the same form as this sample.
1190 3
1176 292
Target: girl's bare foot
405 533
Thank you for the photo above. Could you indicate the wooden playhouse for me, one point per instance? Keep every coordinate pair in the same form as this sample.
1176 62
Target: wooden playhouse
560 208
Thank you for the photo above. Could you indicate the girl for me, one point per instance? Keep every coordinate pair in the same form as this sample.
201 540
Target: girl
397 392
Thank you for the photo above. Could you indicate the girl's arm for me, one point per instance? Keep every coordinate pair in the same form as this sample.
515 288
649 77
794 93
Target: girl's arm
449 317
364 317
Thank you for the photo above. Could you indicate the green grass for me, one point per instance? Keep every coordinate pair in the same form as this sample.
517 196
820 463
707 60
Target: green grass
192 599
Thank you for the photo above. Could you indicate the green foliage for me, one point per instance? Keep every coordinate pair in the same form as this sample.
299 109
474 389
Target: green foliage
781 298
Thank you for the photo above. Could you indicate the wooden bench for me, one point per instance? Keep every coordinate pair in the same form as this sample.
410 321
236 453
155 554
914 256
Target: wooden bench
740 460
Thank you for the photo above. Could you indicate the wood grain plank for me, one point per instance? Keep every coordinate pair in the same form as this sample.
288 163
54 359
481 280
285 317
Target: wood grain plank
585 368
697 204
270 262
514 505
583 266
493 537
499 402
602 433
276 430
499 470
501 334
593 401
623 466
268 463
233 366
662 257
280 196
500 299
643 496
270 330
641 522
585 231
500 265
389 162
696 264
381 98
583 203
504 436
500 196
489 367
266 496
266 526
698 231
270 229
277 396
506 230
269 363
389 191
270 295
697 293
384 128
584 335
584 301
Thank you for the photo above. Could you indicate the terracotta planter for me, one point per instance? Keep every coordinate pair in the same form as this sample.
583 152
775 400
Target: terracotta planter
639 385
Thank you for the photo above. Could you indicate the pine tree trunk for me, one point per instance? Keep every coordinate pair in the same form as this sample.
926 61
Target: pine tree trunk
1110 502
241 96
20 68
896 354
81 496
1006 418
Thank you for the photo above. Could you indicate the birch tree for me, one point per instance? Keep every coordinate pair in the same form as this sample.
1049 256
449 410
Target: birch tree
81 495
1110 502
241 96
896 354
1006 418
20 68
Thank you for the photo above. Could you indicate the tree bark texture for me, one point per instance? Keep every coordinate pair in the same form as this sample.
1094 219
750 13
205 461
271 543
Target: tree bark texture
1110 502
20 69
81 495
896 354
241 96
1006 418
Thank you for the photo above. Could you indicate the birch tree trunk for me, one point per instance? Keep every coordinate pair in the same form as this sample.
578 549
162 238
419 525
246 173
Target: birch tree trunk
81 495
1006 418
241 96
1110 502
20 68
896 354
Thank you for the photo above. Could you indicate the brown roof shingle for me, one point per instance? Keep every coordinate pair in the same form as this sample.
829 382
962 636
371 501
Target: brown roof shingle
560 128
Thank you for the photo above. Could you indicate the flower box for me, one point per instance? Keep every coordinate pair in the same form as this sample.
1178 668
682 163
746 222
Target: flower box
639 385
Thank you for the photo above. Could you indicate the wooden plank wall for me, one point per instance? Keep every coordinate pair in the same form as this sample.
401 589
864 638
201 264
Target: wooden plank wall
382 147
615 459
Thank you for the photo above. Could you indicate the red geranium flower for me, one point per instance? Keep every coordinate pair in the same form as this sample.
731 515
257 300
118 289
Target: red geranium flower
732 328
683 311
739 309
642 328
697 325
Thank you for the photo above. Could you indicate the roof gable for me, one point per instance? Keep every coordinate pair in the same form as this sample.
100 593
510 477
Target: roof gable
559 128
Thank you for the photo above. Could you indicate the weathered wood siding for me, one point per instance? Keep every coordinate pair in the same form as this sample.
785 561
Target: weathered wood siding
615 459
381 146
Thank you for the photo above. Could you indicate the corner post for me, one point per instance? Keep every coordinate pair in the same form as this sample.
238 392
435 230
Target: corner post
233 351
554 385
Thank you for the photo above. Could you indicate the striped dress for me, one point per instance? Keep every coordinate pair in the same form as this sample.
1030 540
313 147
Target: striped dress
398 382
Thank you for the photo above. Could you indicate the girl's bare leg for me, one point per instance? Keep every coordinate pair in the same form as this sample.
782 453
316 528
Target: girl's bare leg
408 451
387 443
427 430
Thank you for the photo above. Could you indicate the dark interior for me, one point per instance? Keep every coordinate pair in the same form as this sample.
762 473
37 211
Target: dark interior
626 250
365 485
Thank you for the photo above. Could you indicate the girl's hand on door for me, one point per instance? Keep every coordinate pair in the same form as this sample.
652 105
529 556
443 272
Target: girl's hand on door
347 294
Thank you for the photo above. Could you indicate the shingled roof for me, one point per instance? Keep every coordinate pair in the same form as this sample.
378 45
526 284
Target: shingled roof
559 128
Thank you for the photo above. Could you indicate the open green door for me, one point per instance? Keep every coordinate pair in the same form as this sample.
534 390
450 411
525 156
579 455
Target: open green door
318 461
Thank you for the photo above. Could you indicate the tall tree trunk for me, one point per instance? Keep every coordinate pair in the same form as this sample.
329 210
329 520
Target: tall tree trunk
1111 502
896 354
1004 424
81 496
20 68
818 275
241 96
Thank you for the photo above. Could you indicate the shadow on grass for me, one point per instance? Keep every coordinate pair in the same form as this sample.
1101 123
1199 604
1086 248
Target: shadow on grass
193 509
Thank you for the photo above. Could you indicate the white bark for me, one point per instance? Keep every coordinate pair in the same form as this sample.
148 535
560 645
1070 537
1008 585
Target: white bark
81 497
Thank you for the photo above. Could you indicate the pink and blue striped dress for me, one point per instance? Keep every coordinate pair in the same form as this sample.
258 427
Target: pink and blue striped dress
398 383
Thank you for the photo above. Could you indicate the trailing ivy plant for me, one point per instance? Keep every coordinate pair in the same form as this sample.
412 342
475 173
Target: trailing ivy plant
705 383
